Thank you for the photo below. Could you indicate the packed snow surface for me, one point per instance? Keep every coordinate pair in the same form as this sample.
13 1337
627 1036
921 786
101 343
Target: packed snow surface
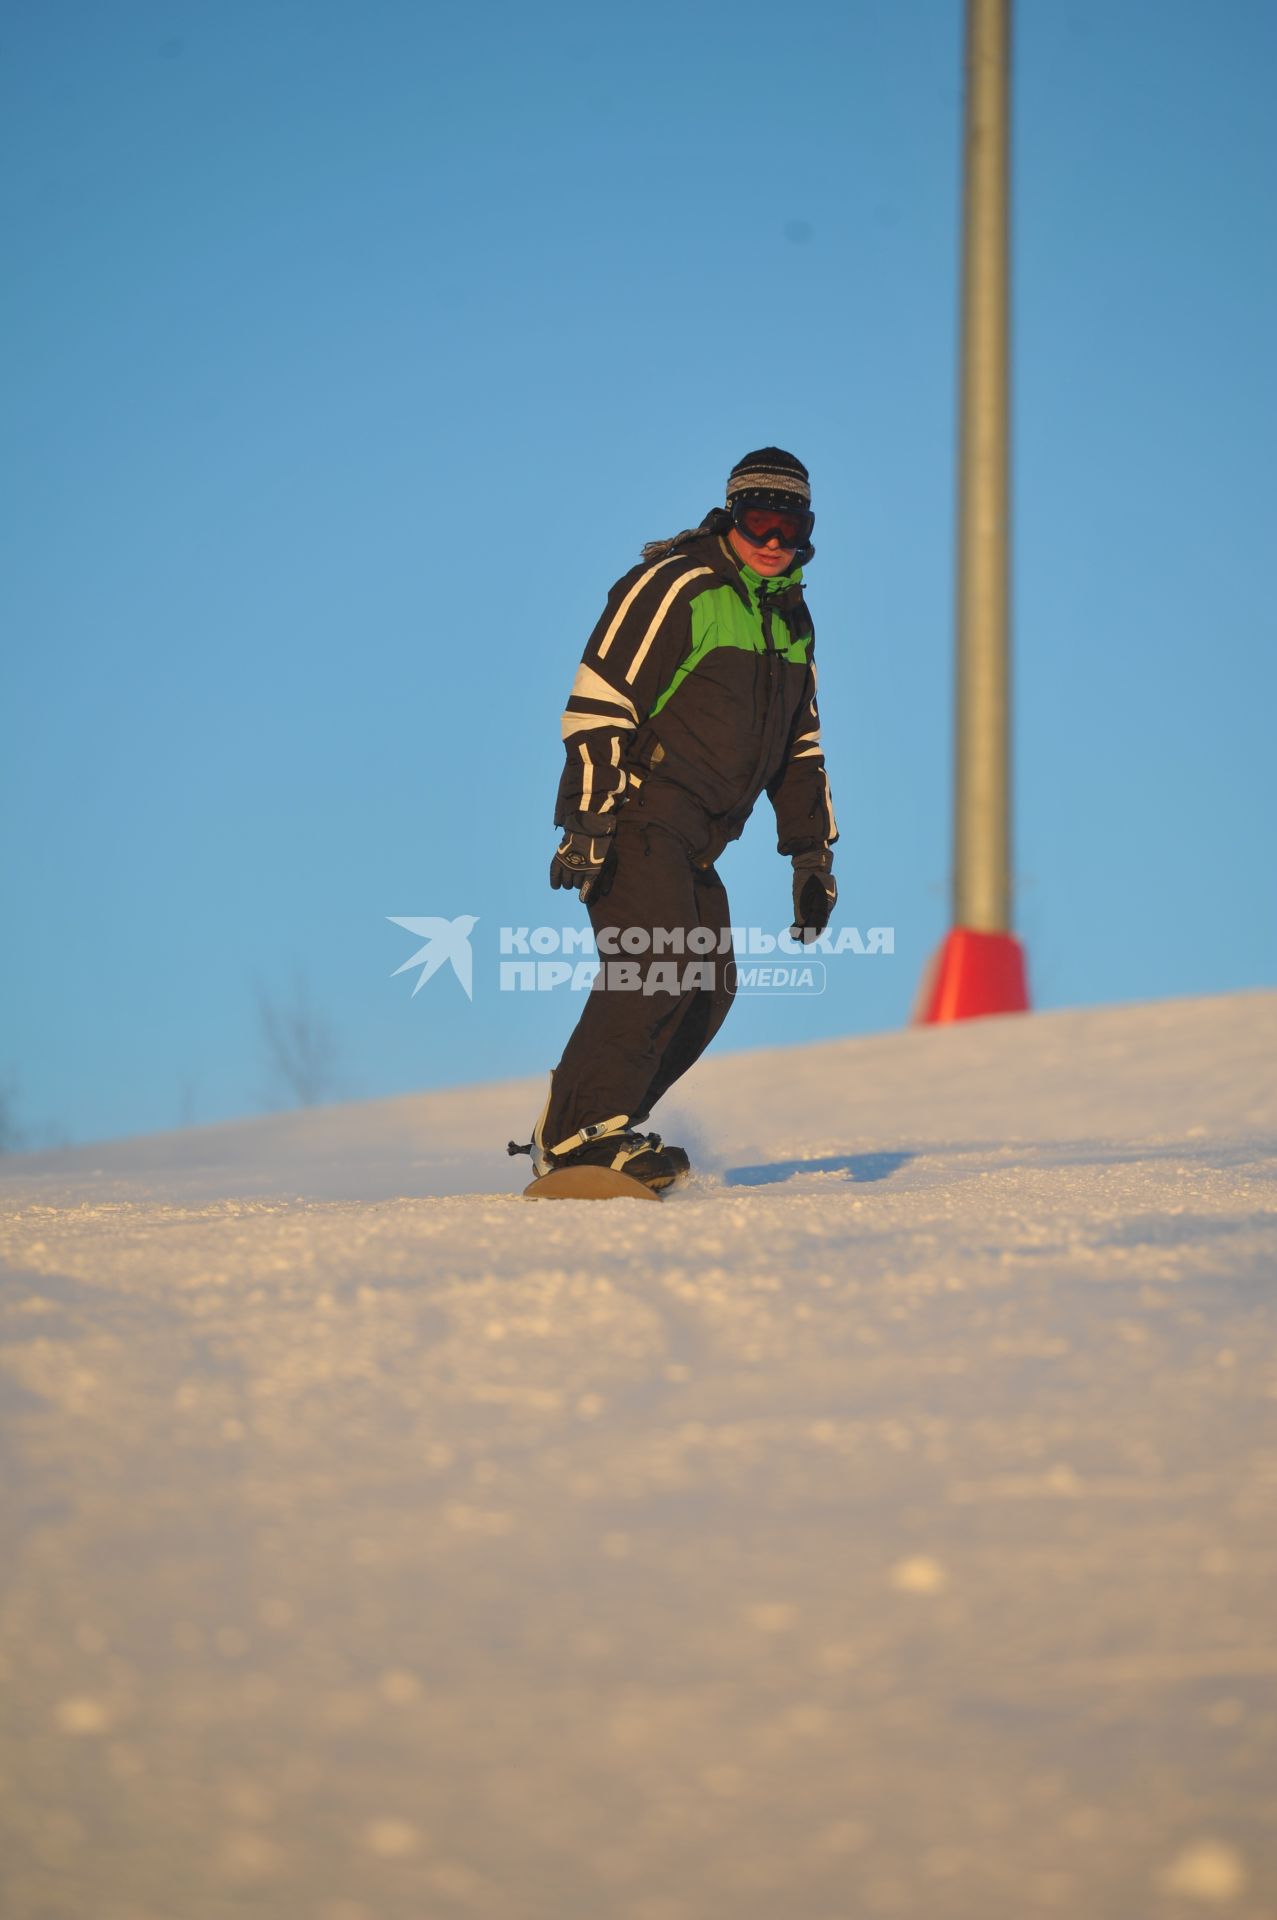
883 1525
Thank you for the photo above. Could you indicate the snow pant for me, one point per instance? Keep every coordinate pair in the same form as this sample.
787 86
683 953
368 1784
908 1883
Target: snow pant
631 1044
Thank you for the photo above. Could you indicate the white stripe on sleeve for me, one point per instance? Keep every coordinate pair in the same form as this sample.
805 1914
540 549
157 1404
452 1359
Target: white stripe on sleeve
589 685
573 723
660 614
629 600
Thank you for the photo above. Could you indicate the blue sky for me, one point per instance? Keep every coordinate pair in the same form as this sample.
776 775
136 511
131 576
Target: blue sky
353 351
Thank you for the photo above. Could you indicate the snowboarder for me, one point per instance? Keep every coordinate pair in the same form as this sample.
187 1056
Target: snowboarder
696 693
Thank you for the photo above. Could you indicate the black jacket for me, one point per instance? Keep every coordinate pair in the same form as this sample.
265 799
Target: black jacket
697 693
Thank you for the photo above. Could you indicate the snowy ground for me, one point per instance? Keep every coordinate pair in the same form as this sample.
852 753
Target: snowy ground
885 1525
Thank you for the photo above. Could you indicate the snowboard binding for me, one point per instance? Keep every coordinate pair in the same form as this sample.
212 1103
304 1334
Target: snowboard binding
608 1165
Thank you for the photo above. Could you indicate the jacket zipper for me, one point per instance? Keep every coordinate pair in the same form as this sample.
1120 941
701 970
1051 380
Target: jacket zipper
766 617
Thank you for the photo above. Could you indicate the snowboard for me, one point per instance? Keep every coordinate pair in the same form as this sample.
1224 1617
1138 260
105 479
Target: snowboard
588 1183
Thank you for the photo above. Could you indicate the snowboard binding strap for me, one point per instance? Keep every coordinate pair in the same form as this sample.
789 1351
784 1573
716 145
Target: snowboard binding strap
599 1131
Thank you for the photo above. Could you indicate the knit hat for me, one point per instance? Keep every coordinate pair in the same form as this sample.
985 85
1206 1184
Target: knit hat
770 471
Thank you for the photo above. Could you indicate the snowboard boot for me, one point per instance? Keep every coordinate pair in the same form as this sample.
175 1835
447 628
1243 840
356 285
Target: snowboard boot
641 1155
676 1156
610 1143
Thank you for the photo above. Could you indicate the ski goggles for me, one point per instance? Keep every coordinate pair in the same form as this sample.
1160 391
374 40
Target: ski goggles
790 526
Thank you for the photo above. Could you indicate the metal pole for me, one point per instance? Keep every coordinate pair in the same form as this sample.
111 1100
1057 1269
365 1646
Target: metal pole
982 822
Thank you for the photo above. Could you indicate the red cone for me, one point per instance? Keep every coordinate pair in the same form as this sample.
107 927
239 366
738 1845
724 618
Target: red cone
971 974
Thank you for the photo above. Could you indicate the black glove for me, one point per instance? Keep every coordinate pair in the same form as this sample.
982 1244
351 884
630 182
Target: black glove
584 859
815 892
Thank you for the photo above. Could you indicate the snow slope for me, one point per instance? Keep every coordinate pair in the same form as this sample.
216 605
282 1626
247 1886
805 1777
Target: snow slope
884 1525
